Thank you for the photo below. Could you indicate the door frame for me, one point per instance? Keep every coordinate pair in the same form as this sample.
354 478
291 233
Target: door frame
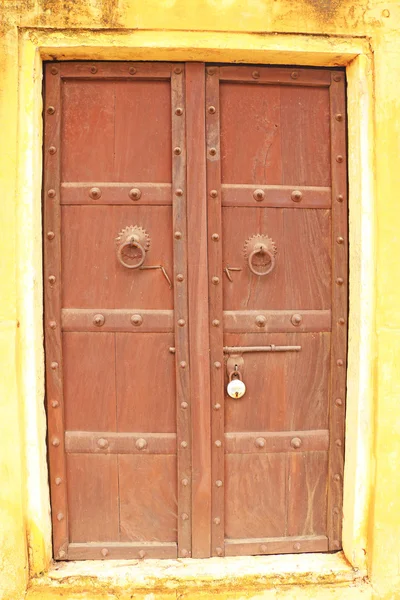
37 46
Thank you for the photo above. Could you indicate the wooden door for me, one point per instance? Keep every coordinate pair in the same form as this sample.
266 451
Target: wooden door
158 179
276 181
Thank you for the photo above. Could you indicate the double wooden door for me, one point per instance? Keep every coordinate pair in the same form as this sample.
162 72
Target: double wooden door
195 236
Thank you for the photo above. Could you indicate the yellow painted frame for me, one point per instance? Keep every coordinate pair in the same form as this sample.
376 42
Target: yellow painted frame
354 53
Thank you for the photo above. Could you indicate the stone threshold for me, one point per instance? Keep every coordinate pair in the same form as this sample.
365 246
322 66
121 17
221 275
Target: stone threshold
211 577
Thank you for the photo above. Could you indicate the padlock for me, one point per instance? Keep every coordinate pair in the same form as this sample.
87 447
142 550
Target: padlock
236 387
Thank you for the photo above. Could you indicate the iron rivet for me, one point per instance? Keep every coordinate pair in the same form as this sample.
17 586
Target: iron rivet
184 405
295 442
182 364
172 350
339 362
336 544
179 192
98 320
215 237
184 516
54 365
177 151
179 111
184 444
136 320
296 196
261 321
217 364
52 324
54 70
211 71
339 117
260 442
93 69
340 240
297 546
213 193
255 74
340 198
294 74
217 406
211 110
339 402
135 194
218 483
104 552
184 553
263 548
181 322
141 444
215 323
132 70
51 193
55 442
102 443
336 510
177 70
339 281
337 78
213 151
177 235
141 554
296 319
52 150
60 517
217 521
55 403
62 554
58 481
95 193
339 158
185 482
218 443
341 321
179 277
52 279
338 443
215 280
51 110
219 551
50 235
259 195
336 477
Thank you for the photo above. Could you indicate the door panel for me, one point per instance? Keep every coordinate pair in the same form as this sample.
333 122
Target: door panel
195 232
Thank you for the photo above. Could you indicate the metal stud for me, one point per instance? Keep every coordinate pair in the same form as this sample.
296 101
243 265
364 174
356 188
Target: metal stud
263 548
51 193
219 551
104 552
51 110
260 442
297 546
102 443
339 117
184 553
95 193
211 110
215 323
215 280
55 442
60 516
339 158
136 320
339 198
177 235
62 554
55 403
183 364
213 193
259 195
339 402
296 319
296 195
339 362
217 364
212 151
336 544
185 482
177 151
141 444
135 194
184 405
52 324
338 443
50 235
141 554
179 111
177 70
52 150
336 510
218 443
296 442
54 70
337 78
217 521
340 281
217 406
261 321
340 240
184 444
255 74
181 322
215 237
184 516
218 483
179 277
172 350
93 69
54 365
52 279
98 320
58 481
341 321
132 70
336 477
211 71
179 192
294 74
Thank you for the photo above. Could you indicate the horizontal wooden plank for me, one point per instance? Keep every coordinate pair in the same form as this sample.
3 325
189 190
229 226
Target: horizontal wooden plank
279 545
100 193
275 75
276 441
276 321
135 321
106 442
121 550
276 196
116 70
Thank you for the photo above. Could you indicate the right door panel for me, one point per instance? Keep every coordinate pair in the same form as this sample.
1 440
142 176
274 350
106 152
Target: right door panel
277 218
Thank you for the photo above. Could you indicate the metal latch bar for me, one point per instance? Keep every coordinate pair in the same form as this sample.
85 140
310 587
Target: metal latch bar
270 348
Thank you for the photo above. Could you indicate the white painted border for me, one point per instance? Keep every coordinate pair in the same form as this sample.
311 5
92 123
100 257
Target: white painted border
354 53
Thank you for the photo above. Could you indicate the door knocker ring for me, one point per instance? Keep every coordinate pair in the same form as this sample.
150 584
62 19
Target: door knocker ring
134 238
263 245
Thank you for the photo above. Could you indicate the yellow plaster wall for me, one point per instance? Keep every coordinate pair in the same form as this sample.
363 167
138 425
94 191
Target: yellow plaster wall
238 30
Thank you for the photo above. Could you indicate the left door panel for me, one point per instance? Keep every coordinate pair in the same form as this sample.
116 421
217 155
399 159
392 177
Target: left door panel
115 265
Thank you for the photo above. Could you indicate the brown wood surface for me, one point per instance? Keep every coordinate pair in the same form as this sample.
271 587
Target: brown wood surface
275 75
106 442
276 321
159 194
83 319
276 196
116 70
281 441
283 545
122 550
198 310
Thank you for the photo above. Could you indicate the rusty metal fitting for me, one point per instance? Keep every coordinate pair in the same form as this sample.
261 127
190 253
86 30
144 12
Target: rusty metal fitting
141 444
95 193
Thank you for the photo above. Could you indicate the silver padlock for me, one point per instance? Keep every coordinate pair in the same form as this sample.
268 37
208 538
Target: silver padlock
236 387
